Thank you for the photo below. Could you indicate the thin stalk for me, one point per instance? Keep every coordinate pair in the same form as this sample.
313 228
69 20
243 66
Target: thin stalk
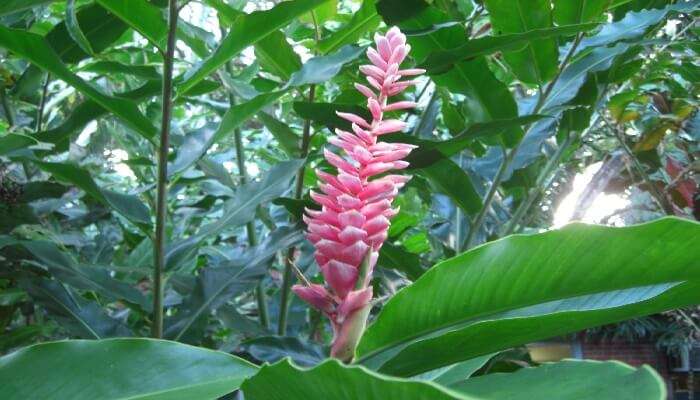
6 107
481 216
541 185
298 191
458 219
508 159
653 190
42 104
250 226
422 120
161 199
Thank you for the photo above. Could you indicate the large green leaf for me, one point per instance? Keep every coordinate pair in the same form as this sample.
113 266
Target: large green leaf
247 30
569 380
443 59
574 76
120 369
537 63
635 24
12 142
141 15
365 19
288 140
240 209
74 28
449 178
217 285
578 11
66 270
545 284
430 152
35 49
129 206
332 380
324 68
276 55
82 318
11 6
487 100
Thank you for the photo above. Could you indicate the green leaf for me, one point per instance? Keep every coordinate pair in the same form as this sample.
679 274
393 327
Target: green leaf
569 380
247 30
364 20
537 63
289 141
325 113
240 209
574 76
276 55
84 277
578 11
395 257
333 380
488 99
525 288
192 149
12 6
448 178
13 142
146 369
35 49
634 24
74 28
323 68
452 374
142 16
238 114
442 60
430 152
129 206
111 67
81 317
215 286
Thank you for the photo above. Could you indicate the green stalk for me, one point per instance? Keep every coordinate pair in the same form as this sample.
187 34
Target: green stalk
510 156
250 226
42 104
653 190
161 199
6 107
541 185
298 191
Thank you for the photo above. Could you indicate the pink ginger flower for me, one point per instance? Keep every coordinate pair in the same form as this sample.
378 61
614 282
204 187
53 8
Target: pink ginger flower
356 204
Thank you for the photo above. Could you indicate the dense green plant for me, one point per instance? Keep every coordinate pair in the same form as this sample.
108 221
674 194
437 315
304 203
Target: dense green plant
154 170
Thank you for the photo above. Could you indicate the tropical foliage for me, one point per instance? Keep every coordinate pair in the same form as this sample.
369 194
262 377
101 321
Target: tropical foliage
156 158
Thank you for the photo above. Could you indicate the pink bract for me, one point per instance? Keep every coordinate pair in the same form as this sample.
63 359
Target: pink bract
356 203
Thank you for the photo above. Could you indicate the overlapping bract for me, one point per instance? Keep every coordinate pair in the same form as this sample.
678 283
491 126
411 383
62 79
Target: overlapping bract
356 203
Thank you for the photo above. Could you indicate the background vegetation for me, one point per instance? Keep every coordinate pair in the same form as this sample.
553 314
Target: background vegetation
523 103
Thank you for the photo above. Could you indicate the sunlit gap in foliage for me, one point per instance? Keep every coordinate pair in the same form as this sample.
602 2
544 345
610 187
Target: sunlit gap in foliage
603 206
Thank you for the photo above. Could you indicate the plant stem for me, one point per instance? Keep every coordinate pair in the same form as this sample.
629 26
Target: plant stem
659 197
161 200
508 159
479 219
250 226
541 184
6 107
42 104
289 259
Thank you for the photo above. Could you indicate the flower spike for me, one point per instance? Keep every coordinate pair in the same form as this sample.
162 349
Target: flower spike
356 203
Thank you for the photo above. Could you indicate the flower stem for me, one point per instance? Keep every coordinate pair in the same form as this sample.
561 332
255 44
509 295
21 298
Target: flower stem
161 199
